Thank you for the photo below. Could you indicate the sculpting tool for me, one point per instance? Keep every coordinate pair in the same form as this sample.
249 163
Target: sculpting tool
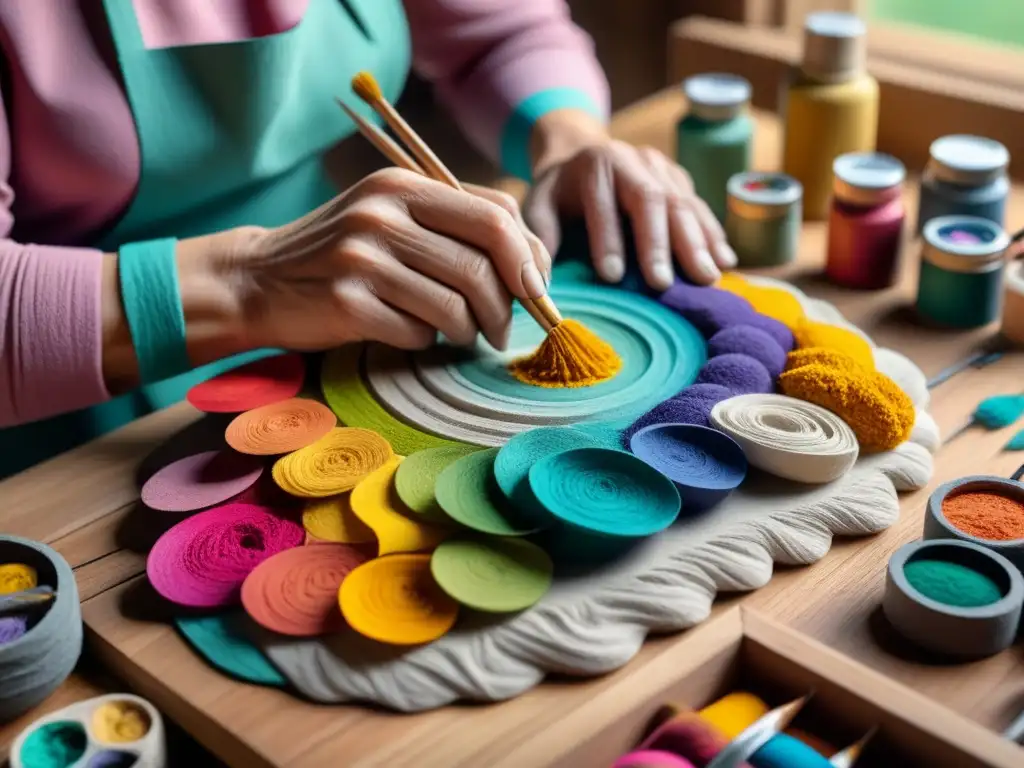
848 757
26 598
1015 731
757 735
367 89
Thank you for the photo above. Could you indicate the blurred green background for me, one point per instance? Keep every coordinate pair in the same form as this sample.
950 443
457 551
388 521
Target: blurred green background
1000 21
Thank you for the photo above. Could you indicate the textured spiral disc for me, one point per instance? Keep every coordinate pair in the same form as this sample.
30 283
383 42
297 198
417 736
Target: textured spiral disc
375 502
250 386
295 592
200 481
333 464
395 600
493 574
787 437
512 468
280 427
332 519
471 397
468 493
605 491
416 477
203 560
691 455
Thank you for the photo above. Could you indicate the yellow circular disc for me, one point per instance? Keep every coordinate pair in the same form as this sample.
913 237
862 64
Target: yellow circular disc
375 502
333 464
395 600
332 519
14 577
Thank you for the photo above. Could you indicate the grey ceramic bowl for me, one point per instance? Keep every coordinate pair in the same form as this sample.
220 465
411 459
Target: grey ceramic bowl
947 629
33 666
936 526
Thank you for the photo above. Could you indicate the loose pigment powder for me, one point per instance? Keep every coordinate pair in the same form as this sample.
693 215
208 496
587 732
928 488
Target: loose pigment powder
985 515
951 583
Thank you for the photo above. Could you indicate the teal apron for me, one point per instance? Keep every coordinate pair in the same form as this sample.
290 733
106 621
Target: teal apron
230 134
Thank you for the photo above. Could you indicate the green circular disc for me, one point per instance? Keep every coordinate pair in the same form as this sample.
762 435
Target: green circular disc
492 574
468 493
417 476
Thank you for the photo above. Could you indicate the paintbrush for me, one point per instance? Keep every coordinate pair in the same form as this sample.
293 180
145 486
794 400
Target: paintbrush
848 757
25 599
366 88
740 749
387 146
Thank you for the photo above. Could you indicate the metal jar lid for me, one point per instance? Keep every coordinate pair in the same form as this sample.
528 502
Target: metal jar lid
835 47
757 195
964 244
967 160
716 96
867 178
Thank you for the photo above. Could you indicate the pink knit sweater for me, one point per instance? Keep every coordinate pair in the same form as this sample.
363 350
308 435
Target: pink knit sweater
69 158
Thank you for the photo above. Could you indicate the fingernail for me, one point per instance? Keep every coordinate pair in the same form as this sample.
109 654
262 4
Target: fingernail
663 275
727 256
504 337
612 269
707 265
533 283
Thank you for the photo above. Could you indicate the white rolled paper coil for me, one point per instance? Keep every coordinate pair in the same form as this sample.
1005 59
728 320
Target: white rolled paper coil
787 437
1013 303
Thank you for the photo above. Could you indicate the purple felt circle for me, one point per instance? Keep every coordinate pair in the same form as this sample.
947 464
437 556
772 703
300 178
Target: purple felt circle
200 481
12 628
708 309
691 406
751 341
740 374
691 456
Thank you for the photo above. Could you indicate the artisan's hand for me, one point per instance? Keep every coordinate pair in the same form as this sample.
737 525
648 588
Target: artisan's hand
395 259
580 170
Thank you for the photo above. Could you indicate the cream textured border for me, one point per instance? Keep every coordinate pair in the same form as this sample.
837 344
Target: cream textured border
594 624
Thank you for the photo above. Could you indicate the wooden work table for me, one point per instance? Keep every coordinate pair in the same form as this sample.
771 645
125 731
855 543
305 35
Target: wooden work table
85 504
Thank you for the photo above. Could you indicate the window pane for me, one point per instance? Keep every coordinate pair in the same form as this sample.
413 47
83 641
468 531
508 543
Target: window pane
1000 21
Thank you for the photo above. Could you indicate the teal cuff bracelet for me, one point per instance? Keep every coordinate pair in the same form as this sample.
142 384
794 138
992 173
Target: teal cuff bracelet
515 137
152 305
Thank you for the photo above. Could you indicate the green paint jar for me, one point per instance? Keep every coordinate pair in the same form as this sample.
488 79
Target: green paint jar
763 218
961 276
714 138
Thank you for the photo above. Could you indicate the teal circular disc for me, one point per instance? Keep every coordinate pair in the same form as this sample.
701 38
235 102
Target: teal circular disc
604 491
469 494
417 475
492 574
659 349
513 462
220 639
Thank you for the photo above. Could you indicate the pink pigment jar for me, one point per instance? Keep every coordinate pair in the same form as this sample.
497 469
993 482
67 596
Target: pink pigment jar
866 220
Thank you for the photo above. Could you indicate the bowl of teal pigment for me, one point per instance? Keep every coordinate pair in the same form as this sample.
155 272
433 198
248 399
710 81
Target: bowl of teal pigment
952 597
982 509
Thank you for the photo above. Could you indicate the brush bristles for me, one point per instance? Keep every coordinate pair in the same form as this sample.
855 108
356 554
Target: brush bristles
366 88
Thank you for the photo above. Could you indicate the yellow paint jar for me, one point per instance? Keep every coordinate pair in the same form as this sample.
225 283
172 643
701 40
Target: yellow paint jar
830 106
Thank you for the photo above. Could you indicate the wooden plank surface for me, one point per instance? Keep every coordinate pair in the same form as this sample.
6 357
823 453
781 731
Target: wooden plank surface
87 510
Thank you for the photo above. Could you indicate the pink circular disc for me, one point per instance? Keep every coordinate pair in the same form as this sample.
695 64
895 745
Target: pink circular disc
202 561
200 481
258 383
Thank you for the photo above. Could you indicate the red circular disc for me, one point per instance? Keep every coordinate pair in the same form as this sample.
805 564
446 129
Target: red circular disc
258 383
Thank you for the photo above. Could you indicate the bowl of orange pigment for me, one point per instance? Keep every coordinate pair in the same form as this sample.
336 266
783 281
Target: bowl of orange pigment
983 509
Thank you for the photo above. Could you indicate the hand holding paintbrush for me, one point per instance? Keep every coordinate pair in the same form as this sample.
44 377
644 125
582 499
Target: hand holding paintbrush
571 355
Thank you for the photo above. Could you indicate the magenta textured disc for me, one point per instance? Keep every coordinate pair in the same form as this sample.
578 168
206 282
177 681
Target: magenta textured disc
200 481
202 561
